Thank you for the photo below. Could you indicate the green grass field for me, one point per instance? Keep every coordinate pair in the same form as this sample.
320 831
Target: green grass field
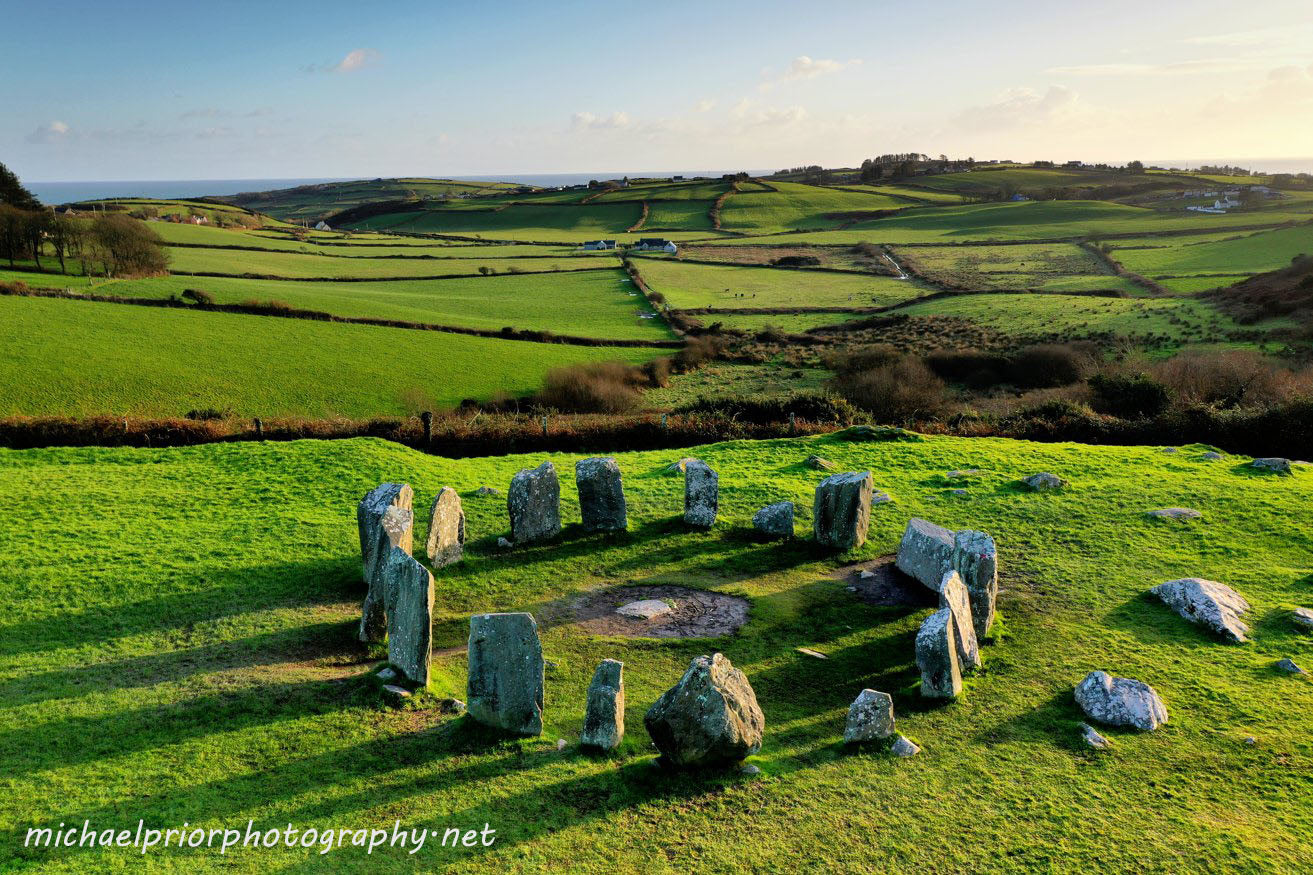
1008 267
77 358
517 222
1250 254
797 207
313 202
178 648
295 265
702 285
678 216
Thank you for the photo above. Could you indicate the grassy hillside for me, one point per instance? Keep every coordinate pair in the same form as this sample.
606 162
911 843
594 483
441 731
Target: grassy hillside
189 657
79 358
295 265
795 206
313 202
1250 254
701 285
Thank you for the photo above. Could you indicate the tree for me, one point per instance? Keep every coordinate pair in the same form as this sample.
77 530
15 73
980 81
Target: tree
126 247
65 237
1135 167
11 232
13 193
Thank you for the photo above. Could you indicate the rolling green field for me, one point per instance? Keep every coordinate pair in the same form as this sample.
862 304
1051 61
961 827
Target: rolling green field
701 285
517 222
76 358
796 207
190 658
1009 267
1254 253
313 202
678 216
295 265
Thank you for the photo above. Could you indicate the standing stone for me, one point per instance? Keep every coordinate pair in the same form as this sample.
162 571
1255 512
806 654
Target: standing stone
601 495
369 516
409 588
775 520
870 717
926 552
701 494
1207 603
394 531
954 596
936 656
1120 701
534 504
604 719
709 718
446 542
505 687
841 512
975 558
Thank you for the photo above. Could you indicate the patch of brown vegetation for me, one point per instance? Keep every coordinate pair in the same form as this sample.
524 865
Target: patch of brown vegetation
886 585
696 613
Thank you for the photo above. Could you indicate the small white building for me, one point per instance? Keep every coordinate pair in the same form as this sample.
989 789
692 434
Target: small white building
1225 202
656 244
599 244
321 225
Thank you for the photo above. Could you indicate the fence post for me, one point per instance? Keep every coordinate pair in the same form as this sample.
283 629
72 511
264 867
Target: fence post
544 426
664 426
793 423
427 418
259 428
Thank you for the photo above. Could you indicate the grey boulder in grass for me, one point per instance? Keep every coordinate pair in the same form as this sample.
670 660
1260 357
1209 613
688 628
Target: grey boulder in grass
534 504
925 552
775 520
1208 603
870 718
601 495
1120 701
505 687
710 718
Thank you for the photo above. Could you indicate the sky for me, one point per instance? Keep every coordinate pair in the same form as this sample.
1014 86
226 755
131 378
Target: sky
112 90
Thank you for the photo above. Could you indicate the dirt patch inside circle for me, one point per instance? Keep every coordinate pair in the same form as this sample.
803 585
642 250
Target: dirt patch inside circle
694 613
883 584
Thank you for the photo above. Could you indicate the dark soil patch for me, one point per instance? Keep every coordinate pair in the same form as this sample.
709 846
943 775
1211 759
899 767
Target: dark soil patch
887 586
696 614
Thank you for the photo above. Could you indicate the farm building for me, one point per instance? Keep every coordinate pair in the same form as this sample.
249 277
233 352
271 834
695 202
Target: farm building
599 244
321 225
655 244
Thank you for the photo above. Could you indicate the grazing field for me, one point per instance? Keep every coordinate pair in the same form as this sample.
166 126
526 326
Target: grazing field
685 191
77 358
925 195
701 285
603 302
1076 316
293 265
796 207
1006 267
856 258
314 202
792 323
190 658
678 216
517 222
1254 253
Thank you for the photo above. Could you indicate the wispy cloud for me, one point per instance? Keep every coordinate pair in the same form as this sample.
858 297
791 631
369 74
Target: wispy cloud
804 67
356 59
1180 68
1019 107
754 114
706 104
51 132
589 121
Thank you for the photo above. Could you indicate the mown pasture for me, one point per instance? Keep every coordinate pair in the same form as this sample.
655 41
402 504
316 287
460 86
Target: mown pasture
293 265
190 657
1249 254
687 286
794 206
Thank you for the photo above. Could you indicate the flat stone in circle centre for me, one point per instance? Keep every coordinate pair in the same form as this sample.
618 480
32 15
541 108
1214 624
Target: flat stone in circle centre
645 610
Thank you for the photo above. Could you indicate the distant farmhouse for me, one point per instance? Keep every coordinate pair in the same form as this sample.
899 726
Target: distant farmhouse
655 244
321 225
600 244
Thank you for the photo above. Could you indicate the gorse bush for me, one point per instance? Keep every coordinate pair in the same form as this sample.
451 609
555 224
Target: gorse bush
900 391
806 406
1134 396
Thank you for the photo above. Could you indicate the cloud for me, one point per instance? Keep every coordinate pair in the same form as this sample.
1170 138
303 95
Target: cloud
753 114
1019 107
706 104
51 132
356 59
1180 68
804 67
589 121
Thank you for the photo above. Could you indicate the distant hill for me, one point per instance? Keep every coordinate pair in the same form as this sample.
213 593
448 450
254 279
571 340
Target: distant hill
311 203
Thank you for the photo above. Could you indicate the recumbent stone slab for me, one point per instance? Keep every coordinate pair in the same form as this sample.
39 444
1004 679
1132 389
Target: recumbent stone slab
925 552
534 504
446 543
841 512
1208 603
601 495
505 687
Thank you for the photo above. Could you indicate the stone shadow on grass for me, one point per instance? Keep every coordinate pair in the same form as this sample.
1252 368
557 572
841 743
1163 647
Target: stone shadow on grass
1053 722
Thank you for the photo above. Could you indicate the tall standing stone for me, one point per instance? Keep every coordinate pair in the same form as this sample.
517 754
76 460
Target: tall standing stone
709 718
505 688
601 495
925 552
975 558
394 531
604 719
369 516
936 656
841 512
954 596
701 494
534 504
446 542
409 588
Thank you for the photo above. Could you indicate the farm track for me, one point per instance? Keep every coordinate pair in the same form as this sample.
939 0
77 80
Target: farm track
525 335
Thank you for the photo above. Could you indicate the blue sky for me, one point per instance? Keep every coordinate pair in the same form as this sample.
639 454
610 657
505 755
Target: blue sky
145 90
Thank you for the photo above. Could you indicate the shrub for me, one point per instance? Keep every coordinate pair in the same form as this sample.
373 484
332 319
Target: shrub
796 261
864 358
1051 364
208 414
1135 396
602 387
1228 378
697 352
806 406
199 296
973 368
900 391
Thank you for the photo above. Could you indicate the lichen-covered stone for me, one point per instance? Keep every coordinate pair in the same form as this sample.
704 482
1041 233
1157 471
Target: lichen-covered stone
701 494
601 495
646 609
1302 617
1092 738
676 468
954 596
446 543
1272 465
505 687
409 588
904 747
775 520
925 552
604 717
709 718
870 717
393 531
1175 513
841 512
816 463
936 657
369 516
975 558
1208 603
1120 701
1289 667
534 504
1043 482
